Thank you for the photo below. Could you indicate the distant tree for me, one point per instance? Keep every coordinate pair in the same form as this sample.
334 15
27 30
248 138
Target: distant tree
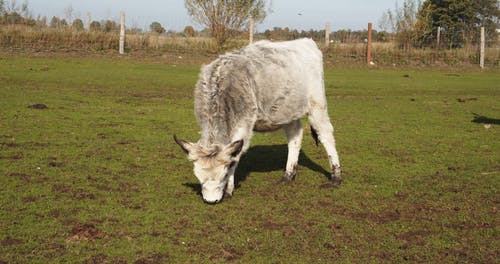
406 21
63 23
381 36
402 21
459 20
109 25
226 17
95 26
41 22
268 34
29 21
55 22
68 12
189 31
157 28
14 14
77 25
24 9
387 21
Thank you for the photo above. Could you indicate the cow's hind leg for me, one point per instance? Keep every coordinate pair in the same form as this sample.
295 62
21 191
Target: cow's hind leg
320 122
293 133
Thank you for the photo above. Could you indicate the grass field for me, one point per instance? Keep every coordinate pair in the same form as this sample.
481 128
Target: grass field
96 177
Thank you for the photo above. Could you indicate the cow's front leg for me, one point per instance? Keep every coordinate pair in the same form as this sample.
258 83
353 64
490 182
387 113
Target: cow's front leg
230 181
293 133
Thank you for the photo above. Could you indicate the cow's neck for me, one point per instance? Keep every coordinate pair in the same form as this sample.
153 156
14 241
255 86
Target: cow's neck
215 134
222 107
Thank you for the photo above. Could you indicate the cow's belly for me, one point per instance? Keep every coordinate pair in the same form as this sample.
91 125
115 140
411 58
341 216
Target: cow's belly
278 115
265 126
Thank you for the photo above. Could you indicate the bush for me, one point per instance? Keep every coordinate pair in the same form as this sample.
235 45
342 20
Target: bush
156 27
189 31
78 25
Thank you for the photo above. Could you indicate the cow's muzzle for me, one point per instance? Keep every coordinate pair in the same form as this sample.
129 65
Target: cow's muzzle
211 202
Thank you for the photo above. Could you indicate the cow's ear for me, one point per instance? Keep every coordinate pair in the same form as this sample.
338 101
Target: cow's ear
234 148
185 146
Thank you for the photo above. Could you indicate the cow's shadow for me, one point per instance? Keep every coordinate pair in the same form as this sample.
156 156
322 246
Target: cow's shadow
485 120
266 159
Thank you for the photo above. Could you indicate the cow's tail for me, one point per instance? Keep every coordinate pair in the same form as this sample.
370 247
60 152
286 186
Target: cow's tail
314 135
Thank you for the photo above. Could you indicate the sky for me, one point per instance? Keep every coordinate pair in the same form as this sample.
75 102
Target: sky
294 14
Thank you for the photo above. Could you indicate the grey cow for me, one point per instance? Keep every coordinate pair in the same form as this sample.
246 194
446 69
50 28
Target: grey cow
262 87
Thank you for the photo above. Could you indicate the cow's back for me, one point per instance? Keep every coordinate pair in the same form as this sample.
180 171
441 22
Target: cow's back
285 75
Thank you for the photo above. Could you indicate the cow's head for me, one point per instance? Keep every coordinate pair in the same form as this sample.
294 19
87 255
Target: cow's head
211 165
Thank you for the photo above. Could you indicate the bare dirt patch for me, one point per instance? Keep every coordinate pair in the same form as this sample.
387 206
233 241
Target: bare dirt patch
153 259
128 187
128 203
38 106
270 225
32 198
10 144
9 241
413 238
16 156
104 259
382 217
402 156
465 225
53 250
463 100
78 194
230 254
85 232
401 196
22 176
54 163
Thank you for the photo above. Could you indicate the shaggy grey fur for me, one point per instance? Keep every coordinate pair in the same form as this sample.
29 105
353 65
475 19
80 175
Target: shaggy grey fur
250 87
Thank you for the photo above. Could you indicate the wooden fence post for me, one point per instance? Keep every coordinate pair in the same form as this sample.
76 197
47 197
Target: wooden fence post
369 45
250 30
481 55
122 32
327 34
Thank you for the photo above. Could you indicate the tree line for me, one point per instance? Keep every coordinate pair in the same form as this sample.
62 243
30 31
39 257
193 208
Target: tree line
13 14
413 25
416 23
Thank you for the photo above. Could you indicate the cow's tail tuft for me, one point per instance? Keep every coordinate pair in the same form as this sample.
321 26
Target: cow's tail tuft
315 136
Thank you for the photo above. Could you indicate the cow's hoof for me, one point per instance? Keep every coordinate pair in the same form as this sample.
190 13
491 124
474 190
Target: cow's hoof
288 177
285 180
227 196
336 181
336 176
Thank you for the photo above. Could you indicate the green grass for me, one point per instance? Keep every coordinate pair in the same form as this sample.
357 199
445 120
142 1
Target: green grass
96 177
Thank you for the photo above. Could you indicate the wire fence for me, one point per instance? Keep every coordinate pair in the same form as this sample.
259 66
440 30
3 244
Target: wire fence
176 48
388 54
